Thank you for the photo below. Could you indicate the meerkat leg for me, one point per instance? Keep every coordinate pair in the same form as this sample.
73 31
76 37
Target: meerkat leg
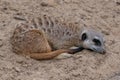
68 55
50 55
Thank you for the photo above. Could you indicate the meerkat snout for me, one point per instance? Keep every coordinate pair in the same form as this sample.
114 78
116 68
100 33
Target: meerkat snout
93 40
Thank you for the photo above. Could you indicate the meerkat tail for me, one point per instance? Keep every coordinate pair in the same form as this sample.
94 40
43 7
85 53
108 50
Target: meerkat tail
49 55
63 56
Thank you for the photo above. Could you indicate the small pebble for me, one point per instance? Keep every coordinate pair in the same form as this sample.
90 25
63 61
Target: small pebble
1 43
46 3
118 3
106 32
5 8
19 18
17 69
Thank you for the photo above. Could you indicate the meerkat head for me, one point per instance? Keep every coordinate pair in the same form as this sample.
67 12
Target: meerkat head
92 40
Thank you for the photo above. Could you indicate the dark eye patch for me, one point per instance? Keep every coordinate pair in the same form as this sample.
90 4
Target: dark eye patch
97 42
84 36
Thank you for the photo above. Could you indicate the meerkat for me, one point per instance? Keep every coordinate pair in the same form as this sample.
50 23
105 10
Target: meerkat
46 38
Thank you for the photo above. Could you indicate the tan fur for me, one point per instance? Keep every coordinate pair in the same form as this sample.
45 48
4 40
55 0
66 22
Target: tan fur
45 38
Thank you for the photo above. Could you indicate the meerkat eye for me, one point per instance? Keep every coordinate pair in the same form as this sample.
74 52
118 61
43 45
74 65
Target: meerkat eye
84 36
97 42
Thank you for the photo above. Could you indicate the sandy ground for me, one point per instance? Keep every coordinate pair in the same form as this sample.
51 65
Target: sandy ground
104 15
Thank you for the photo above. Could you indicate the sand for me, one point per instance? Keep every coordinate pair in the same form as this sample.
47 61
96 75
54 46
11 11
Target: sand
103 15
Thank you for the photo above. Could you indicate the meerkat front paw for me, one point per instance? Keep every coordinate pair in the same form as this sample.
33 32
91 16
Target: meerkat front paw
64 56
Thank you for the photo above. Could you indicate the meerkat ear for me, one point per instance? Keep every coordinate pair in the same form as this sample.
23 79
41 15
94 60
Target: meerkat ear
84 36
